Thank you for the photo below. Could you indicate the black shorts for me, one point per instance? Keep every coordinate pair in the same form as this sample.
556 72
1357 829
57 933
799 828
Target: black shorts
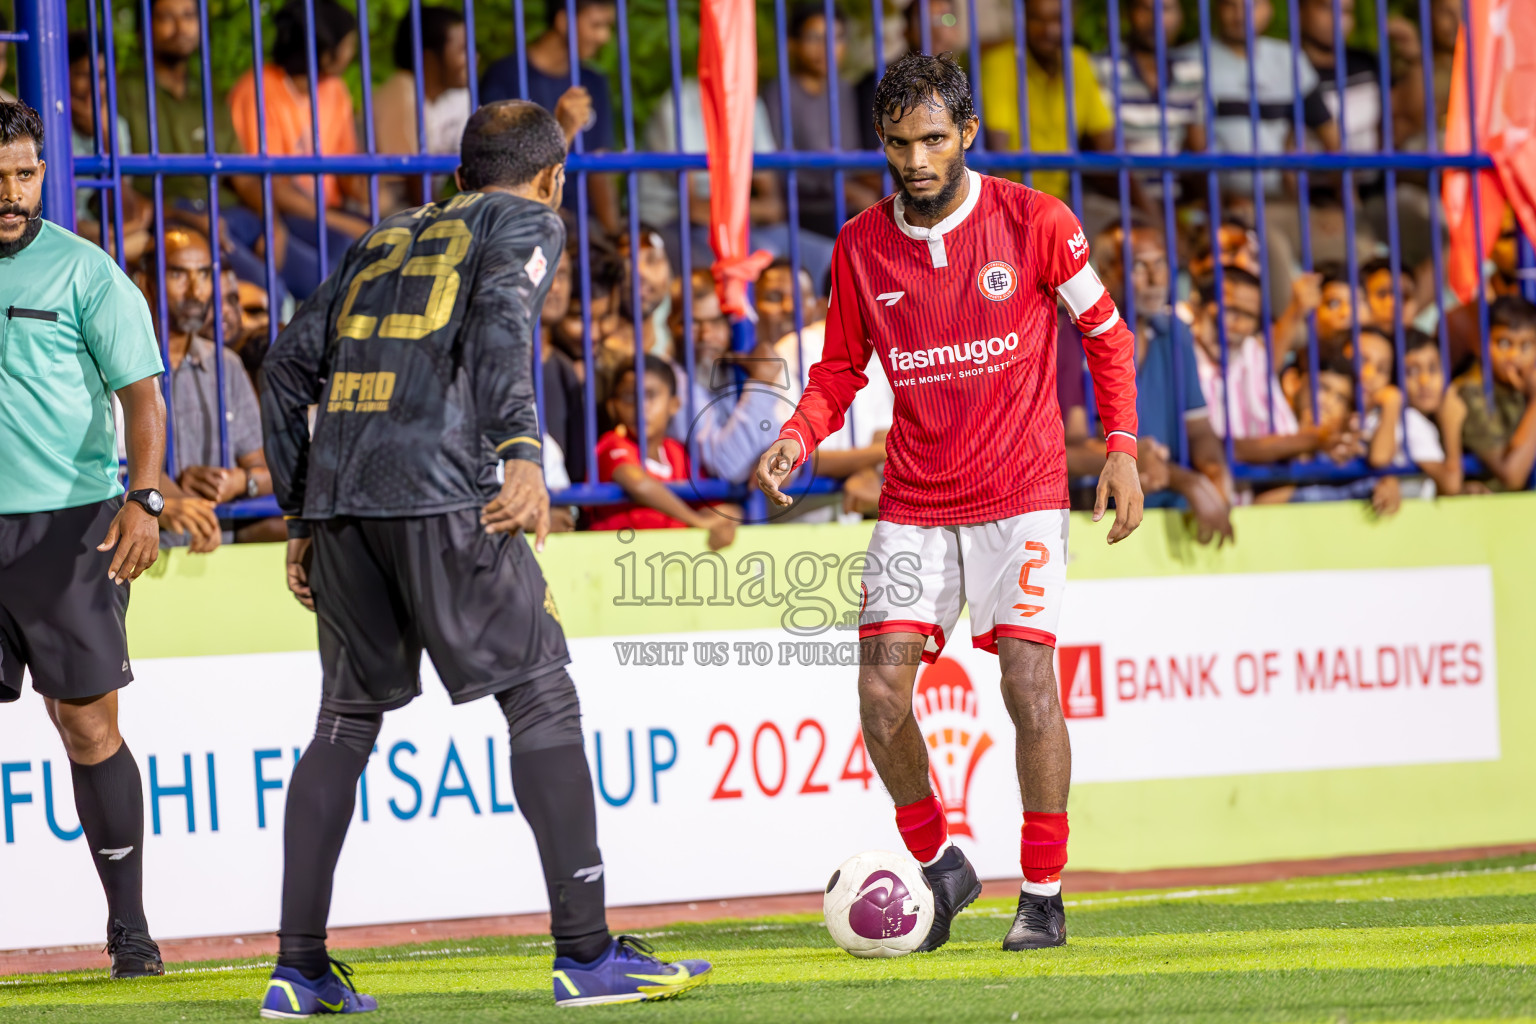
59 614
387 588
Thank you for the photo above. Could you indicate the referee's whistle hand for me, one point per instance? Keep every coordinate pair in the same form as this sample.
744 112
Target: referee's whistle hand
1119 481
775 466
136 536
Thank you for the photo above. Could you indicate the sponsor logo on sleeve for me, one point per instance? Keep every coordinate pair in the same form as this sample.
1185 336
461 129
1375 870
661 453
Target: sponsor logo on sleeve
1078 245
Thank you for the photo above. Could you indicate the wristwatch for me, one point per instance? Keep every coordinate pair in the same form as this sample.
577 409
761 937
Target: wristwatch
151 500
250 484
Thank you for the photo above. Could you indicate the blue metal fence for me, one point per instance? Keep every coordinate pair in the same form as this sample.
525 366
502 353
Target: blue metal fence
44 81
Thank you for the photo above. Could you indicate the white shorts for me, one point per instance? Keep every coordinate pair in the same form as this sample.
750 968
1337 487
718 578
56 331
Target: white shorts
1011 572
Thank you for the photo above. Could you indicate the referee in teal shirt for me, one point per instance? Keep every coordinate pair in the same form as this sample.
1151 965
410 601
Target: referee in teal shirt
72 328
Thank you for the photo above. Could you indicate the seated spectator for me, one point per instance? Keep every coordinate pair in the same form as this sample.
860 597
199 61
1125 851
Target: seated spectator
732 426
809 119
1503 433
247 324
1462 323
289 132
1141 108
1424 381
1233 129
1166 375
1381 296
1413 440
565 427
445 97
86 111
946 34
1045 79
1272 74
1362 117
605 276
200 481
775 298
658 190
652 505
1264 427
174 35
854 454
585 109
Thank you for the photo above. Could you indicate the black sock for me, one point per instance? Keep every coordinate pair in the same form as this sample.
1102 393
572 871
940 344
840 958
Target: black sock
109 798
553 789
321 797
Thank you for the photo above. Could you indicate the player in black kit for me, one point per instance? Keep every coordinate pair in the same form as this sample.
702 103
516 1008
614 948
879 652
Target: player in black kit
418 352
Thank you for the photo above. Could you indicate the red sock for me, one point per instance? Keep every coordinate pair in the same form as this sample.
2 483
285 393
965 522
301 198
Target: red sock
923 828
1043 851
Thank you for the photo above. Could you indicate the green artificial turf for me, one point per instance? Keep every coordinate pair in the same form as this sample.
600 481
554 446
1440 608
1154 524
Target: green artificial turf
1453 942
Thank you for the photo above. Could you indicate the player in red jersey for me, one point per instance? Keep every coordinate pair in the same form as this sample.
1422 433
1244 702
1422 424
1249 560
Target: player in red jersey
953 283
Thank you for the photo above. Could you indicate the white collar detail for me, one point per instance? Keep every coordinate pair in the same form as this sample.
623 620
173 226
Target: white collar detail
934 236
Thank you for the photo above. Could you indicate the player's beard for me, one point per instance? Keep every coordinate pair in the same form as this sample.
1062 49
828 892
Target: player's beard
34 225
928 207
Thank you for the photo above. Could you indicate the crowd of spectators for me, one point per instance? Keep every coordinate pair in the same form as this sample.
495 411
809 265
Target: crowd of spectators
1245 358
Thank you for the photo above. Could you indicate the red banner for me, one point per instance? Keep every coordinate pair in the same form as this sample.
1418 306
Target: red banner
1504 115
728 81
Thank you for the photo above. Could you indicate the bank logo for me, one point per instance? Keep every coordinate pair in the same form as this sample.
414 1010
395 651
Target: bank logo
1082 681
948 714
537 266
997 280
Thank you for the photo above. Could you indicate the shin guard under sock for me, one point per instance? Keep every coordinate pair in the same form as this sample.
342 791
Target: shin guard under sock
553 788
1043 848
321 797
109 798
923 828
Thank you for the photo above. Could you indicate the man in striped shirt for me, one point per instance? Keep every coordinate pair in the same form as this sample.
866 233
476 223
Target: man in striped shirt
953 283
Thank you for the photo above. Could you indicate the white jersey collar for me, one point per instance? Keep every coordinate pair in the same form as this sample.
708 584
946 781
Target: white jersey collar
934 236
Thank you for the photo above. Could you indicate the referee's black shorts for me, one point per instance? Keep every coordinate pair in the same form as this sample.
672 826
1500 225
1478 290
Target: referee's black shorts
60 616
387 588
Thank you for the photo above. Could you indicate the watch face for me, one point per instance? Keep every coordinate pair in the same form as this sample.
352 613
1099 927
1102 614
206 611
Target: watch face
156 501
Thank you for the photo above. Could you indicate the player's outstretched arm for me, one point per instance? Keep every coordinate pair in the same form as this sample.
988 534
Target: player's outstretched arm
1121 482
775 465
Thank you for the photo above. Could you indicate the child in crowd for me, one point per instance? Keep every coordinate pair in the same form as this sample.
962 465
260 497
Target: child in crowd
1340 304
1335 417
1264 426
1424 380
1411 439
652 504
1381 296
1503 433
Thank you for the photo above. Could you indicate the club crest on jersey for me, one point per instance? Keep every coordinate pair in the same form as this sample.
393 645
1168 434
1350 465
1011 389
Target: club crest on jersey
997 280
537 266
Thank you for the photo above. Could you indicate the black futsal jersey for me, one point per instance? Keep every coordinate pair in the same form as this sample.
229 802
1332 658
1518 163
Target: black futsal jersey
418 354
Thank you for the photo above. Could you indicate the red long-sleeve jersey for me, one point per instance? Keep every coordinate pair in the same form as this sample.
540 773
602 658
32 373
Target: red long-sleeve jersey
963 315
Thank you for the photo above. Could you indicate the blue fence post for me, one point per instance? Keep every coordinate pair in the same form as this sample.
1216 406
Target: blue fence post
42 75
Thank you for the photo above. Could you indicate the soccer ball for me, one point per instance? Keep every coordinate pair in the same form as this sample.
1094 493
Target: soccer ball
878 904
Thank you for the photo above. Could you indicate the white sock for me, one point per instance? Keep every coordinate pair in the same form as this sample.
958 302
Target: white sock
942 850
1041 888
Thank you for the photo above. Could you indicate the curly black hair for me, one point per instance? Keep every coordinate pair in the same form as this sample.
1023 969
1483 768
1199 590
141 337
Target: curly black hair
19 121
914 79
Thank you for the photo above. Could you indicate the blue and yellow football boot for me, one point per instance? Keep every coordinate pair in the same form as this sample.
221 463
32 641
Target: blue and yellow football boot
291 996
628 972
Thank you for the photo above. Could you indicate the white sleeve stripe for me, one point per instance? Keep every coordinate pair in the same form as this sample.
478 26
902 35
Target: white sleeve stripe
1106 325
1081 291
1122 433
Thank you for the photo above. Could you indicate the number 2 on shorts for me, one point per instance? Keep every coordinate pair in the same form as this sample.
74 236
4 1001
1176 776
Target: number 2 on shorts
1027 610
